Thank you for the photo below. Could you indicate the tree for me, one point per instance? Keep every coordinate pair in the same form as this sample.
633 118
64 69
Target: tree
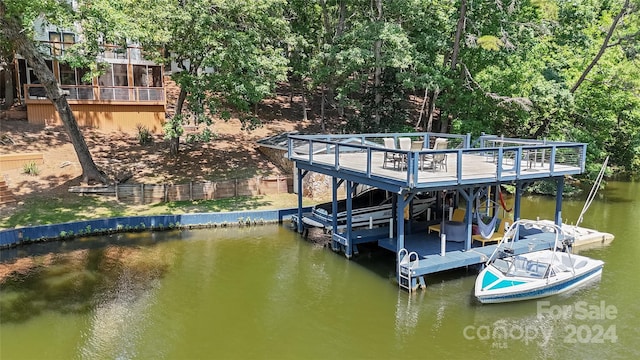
16 27
229 52
626 9
6 61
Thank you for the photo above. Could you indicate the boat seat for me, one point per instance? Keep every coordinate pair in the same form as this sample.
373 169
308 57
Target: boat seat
580 264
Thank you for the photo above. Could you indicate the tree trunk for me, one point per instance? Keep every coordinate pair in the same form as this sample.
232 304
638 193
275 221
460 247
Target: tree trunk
432 108
459 30
603 47
322 106
8 87
12 29
424 103
455 52
377 53
174 141
305 116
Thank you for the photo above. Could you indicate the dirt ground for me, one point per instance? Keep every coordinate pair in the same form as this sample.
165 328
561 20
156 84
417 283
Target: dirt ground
232 154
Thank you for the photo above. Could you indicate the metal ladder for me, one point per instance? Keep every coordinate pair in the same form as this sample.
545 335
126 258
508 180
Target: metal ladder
405 271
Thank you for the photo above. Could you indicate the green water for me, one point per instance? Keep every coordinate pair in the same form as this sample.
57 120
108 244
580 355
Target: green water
262 292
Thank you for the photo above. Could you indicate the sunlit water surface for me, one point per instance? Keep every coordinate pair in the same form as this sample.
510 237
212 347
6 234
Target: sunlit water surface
263 292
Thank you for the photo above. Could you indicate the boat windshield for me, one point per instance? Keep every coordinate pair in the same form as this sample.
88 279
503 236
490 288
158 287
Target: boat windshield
521 267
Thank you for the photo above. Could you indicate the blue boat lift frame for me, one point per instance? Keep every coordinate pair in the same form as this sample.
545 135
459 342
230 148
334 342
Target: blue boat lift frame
332 155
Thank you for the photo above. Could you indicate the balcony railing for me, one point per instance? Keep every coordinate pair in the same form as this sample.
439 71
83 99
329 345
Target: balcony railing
131 52
101 93
363 157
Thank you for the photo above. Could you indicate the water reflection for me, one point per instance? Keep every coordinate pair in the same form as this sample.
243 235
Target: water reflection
68 282
119 319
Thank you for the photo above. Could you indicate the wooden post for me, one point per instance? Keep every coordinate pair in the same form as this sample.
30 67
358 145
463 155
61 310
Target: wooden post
190 190
142 192
117 192
235 188
166 192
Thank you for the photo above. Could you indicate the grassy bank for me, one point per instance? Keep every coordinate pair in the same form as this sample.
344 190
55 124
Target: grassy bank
49 210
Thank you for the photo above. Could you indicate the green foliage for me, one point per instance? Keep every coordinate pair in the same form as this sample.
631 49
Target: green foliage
31 168
515 70
231 53
173 127
144 135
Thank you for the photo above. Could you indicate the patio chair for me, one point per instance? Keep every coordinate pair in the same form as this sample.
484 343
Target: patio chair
389 143
401 159
438 160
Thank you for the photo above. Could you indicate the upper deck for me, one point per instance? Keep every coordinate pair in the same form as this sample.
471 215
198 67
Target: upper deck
491 159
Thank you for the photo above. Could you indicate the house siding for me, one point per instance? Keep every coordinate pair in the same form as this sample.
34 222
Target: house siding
108 117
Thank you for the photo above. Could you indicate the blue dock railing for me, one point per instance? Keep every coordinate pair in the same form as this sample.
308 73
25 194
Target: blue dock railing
495 158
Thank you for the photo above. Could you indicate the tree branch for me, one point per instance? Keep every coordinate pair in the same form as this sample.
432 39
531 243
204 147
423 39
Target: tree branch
603 47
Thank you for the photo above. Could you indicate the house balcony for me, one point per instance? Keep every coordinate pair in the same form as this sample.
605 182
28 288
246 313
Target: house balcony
110 108
88 94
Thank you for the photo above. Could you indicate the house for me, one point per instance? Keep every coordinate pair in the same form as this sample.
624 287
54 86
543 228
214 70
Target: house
130 93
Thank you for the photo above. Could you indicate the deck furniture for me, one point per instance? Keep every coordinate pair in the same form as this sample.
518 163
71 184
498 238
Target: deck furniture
458 215
455 230
497 235
389 143
438 160
401 159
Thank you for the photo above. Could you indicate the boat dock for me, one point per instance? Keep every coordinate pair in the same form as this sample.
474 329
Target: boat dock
459 174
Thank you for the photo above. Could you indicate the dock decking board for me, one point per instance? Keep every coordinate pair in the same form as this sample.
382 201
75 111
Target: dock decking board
476 169
427 246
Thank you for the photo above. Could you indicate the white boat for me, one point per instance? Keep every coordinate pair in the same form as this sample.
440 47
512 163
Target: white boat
537 274
371 208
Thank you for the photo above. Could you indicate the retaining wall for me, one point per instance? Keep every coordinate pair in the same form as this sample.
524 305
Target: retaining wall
19 236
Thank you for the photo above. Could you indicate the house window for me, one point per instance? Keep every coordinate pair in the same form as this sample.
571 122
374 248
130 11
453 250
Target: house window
147 76
67 75
120 77
106 79
60 41
115 75
73 77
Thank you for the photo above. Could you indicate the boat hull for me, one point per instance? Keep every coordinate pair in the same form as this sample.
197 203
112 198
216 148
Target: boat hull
493 286
363 213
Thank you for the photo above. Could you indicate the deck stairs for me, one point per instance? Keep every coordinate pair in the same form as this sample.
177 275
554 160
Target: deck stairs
406 261
6 196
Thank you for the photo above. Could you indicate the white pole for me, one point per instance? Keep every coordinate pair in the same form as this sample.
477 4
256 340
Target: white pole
443 244
428 214
390 228
450 213
370 222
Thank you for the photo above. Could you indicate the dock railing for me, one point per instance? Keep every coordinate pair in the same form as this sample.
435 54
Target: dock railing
495 159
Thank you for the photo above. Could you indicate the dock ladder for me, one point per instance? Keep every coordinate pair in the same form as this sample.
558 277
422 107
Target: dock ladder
406 261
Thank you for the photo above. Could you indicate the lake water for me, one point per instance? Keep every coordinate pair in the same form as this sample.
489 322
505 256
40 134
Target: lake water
263 292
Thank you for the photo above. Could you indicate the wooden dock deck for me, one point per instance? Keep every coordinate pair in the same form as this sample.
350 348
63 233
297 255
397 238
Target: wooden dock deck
427 247
463 165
